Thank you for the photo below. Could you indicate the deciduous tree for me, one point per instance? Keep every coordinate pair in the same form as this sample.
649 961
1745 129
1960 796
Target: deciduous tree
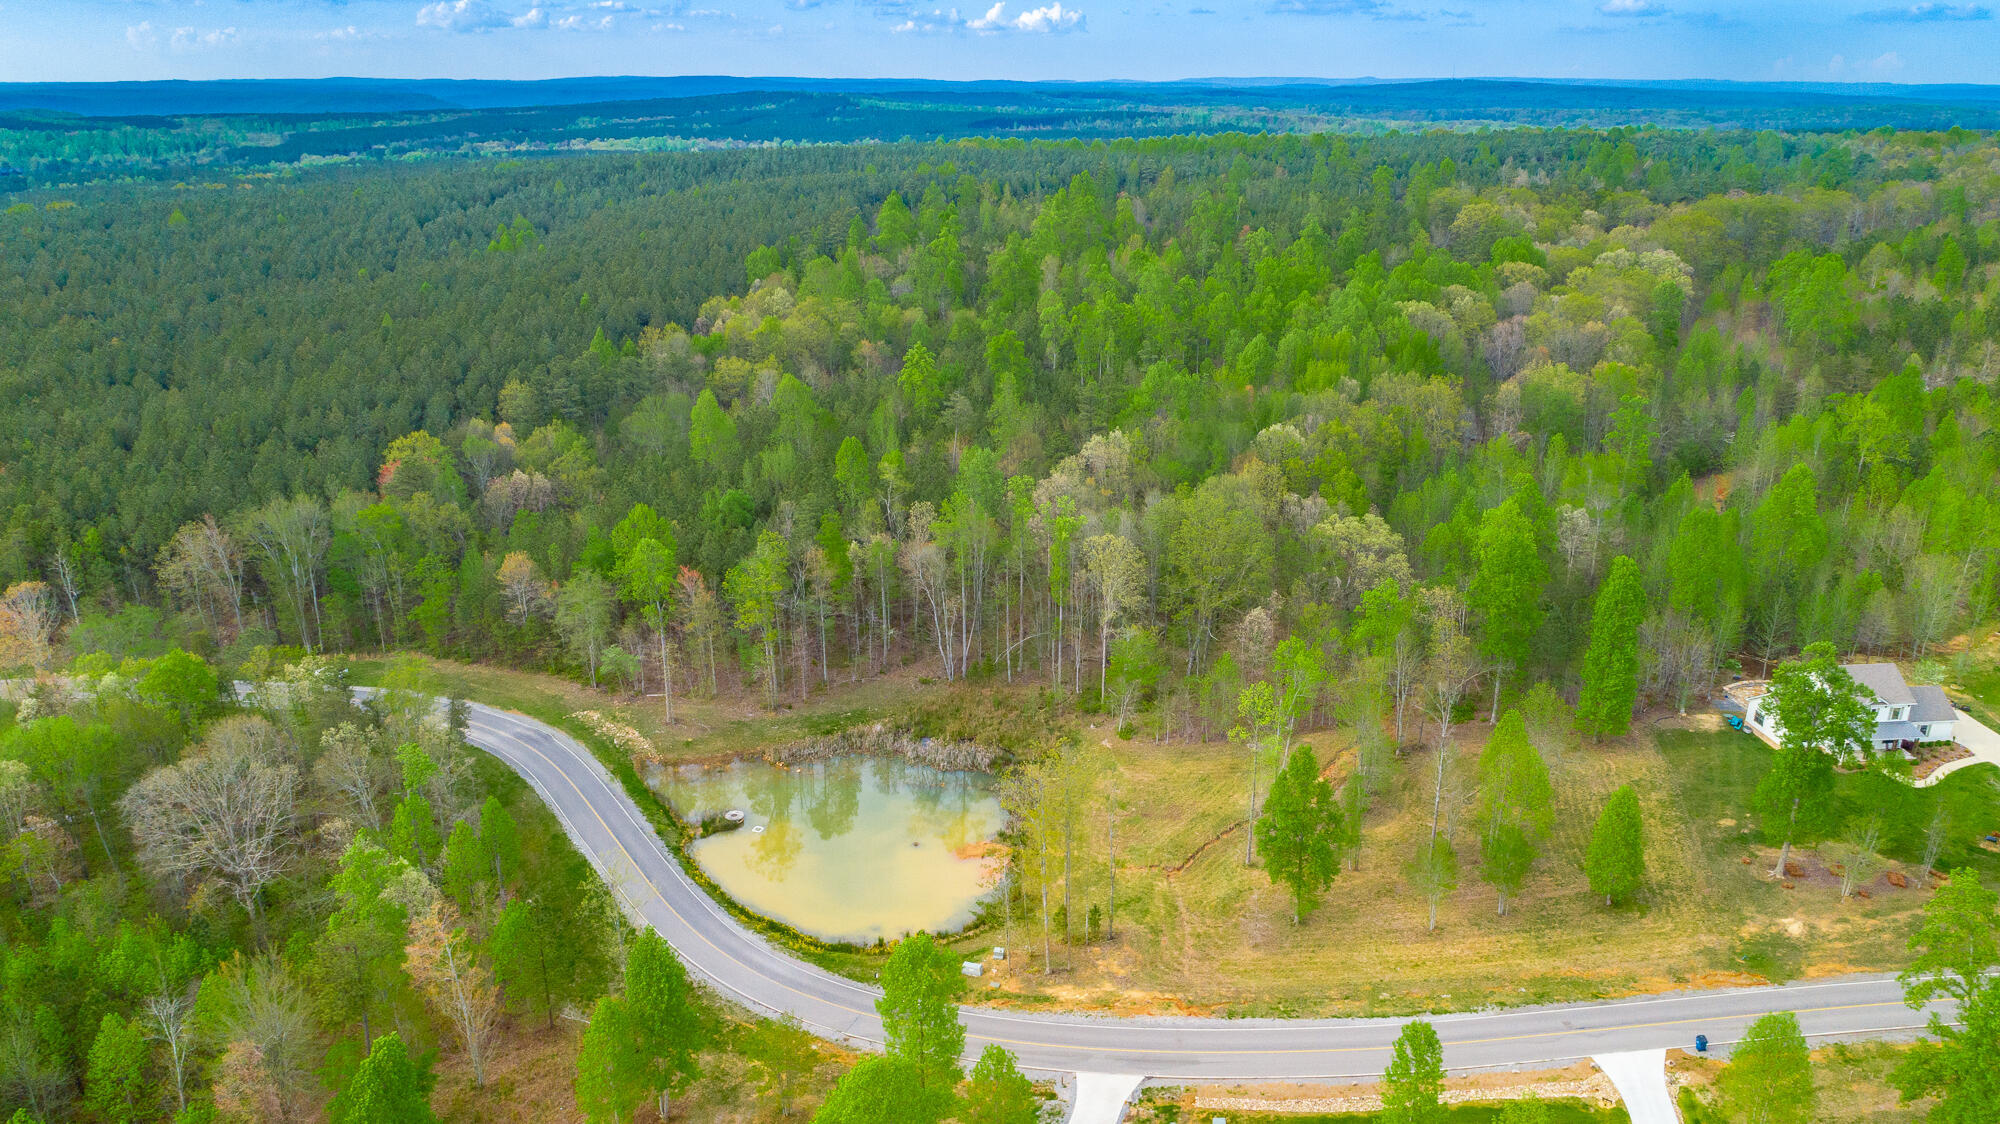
1769 1078
919 1009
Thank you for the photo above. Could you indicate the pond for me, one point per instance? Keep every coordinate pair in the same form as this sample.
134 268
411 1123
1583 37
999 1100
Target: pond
848 849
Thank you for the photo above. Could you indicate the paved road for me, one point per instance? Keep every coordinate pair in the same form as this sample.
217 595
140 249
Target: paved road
606 826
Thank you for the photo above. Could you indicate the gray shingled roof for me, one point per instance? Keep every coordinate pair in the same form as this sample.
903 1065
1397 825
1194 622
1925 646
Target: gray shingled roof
1896 732
1885 680
1933 705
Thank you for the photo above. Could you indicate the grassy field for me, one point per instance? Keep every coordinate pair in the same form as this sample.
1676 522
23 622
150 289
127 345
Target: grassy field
1853 1082
1198 931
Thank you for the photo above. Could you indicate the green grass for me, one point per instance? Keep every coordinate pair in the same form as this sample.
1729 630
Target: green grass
1717 775
1560 1112
523 694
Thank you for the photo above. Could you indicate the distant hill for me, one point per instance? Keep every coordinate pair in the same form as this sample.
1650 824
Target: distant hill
54 134
1423 98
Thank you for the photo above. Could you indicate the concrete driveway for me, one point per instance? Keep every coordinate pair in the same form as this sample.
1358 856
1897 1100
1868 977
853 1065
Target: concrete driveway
1976 736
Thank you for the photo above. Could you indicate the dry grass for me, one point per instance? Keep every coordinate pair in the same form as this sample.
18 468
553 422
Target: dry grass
1197 931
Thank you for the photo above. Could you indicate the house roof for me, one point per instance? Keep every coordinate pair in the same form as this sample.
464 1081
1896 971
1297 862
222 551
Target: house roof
1896 731
1933 705
1884 680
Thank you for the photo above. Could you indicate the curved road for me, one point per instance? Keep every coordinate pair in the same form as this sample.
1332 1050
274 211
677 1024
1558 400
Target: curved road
609 829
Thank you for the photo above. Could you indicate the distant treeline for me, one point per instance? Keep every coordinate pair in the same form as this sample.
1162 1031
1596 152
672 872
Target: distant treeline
57 134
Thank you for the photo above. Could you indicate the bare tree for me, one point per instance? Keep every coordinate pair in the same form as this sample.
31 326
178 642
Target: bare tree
18 796
1858 858
29 616
1449 672
1118 575
68 576
169 1020
446 969
202 569
267 1020
521 584
349 766
293 534
220 813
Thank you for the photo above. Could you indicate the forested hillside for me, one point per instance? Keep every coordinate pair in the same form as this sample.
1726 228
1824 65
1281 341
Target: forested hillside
999 406
1220 438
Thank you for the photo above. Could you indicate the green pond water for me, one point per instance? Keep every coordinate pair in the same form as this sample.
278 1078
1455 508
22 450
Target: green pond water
852 849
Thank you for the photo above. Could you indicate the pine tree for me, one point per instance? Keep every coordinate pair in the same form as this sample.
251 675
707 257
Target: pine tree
465 865
115 1080
1413 1085
1300 833
920 986
389 1088
1516 804
998 1092
1506 588
499 840
666 1027
1611 663
610 1073
1616 862
413 836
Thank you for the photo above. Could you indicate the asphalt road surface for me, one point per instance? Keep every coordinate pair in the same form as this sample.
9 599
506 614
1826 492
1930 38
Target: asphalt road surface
605 825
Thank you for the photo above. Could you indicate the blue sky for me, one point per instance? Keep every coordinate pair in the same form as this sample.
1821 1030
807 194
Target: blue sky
1786 40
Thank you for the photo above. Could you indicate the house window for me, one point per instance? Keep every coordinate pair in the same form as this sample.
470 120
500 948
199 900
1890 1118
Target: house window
1925 729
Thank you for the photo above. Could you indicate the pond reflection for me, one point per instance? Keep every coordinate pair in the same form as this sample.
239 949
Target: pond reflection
851 849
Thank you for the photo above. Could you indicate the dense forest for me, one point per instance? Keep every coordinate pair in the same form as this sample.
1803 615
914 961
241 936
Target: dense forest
997 405
1182 431
70 133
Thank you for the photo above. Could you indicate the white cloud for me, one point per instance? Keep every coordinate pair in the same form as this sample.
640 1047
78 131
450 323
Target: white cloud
533 17
1888 63
462 15
1050 17
195 39
1632 8
143 36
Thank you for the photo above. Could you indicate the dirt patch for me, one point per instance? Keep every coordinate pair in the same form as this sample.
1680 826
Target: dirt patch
1577 1082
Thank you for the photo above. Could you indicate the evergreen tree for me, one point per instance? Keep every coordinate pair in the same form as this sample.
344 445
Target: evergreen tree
919 1009
1300 833
610 1071
499 840
1413 1085
1516 805
390 1088
465 865
1616 861
665 1025
1611 663
115 1082
1506 588
998 1093
413 835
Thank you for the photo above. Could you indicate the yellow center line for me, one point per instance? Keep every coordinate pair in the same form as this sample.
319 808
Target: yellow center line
1566 1032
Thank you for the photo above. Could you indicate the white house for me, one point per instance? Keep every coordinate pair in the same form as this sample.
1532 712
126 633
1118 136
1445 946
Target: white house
1906 716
